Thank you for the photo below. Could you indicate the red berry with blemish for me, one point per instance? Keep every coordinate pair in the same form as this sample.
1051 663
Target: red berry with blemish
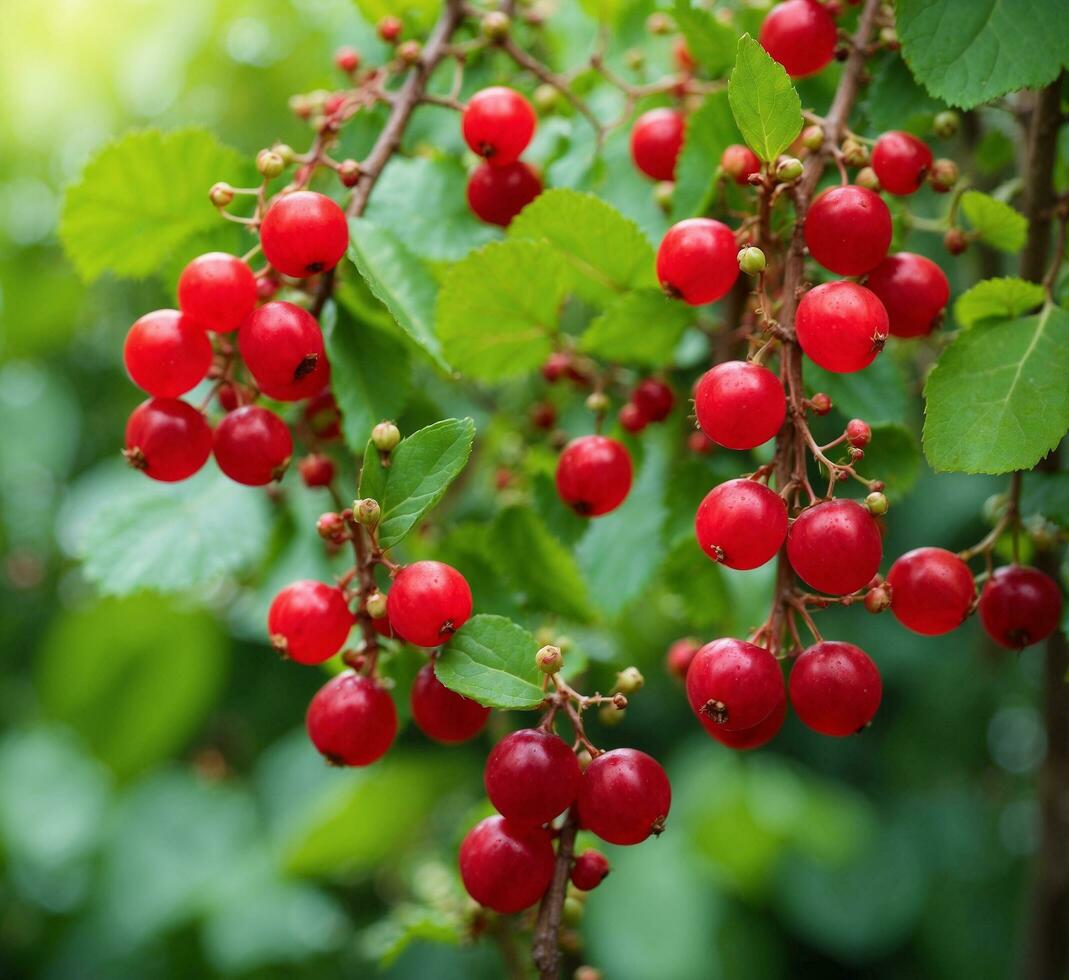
594 475
932 591
914 292
835 546
858 433
304 233
352 720
740 405
532 776
760 734
741 524
282 346
697 261
848 230
841 326
656 139
252 445
166 353
496 194
309 621
167 439
800 35
739 163
901 162
218 290
497 124
428 602
506 867
624 797
733 685
1020 606
443 714
589 870
835 688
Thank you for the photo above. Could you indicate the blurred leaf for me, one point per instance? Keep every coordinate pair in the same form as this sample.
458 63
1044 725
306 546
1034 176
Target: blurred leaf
408 924
997 224
710 130
420 13
1046 494
877 394
994 153
711 44
606 11
468 548
763 101
895 101
642 327
697 581
492 660
997 299
894 457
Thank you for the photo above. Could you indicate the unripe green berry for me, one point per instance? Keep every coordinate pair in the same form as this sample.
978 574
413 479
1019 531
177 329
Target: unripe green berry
376 605
221 194
495 25
855 154
269 163
889 38
367 512
788 169
349 172
300 106
866 177
628 681
662 194
549 659
285 151
634 58
573 911
943 175
945 125
877 504
597 401
609 714
751 260
546 98
659 23
385 437
409 52
812 137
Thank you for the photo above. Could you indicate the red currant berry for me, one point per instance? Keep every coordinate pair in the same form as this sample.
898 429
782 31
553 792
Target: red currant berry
740 405
443 714
739 163
841 326
590 869
656 139
901 161
741 524
316 470
167 353
496 194
697 262
217 290
322 416
252 446
282 346
229 396
733 685
754 738
1020 606
913 290
389 28
543 415
347 59
835 688
680 656
352 720
858 433
167 439
504 867
631 418
835 547
309 621
932 591
532 776
654 399
594 475
498 123
624 797
700 443
428 602
848 230
304 233
800 35
266 287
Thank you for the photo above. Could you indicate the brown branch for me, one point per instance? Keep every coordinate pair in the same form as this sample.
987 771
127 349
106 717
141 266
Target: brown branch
545 947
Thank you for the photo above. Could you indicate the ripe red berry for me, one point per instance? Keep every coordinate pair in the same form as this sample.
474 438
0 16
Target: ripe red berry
680 656
498 123
858 433
901 161
589 870
848 230
504 867
733 685
739 162
624 797
740 405
656 139
835 688
167 353
282 346
760 734
316 470
252 446
696 261
741 524
496 194
217 290
913 290
654 399
428 602
443 714
932 591
347 59
304 233
1020 606
631 418
389 28
700 443
322 416
532 776
594 475
841 326
835 546
309 621
167 439
800 35
352 720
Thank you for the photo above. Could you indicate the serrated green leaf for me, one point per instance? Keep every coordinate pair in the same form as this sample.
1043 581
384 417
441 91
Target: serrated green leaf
997 299
498 309
492 660
877 394
997 224
710 130
399 280
1046 494
892 456
606 11
763 100
144 196
895 101
711 43
642 327
998 400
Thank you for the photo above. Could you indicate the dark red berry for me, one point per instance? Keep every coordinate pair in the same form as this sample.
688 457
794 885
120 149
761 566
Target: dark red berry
680 656
282 346
800 35
1020 606
841 326
733 685
352 720
304 233
498 123
443 714
700 443
543 415
594 475
848 230
913 290
532 776
631 418
496 194
322 416
654 399
835 547
739 162
740 405
309 621
589 870
741 524
561 364
656 139
217 290
624 797
316 470
167 353
504 867
696 261
167 439
901 162
858 433
428 602
754 738
229 396
252 446
835 688
932 591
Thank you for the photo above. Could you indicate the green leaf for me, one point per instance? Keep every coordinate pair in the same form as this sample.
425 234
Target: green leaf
967 52
642 327
144 196
711 43
420 13
895 101
710 130
399 280
877 394
492 660
997 224
1046 494
606 11
997 299
498 309
420 471
894 457
998 399
766 106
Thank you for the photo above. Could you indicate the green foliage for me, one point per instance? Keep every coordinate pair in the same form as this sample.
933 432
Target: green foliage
710 130
895 101
892 456
997 299
764 102
1046 494
997 224
492 660
711 44
642 327
877 394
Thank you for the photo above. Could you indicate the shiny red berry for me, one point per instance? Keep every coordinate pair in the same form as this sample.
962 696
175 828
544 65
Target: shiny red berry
252 446
443 714
624 797
167 439
740 405
913 290
733 685
389 28
166 353
309 621
352 720
760 734
932 591
532 776
835 546
428 602
696 261
739 162
656 139
496 194
505 867
218 290
901 162
304 233
800 35
858 433
654 398
680 656
841 326
741 524
316 470
594 475
589 870
848 230
835 688
1020 606
498 123
347 59
322 416
631 418
282 346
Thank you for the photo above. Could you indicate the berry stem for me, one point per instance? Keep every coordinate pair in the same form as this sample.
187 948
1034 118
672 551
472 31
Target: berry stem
547 929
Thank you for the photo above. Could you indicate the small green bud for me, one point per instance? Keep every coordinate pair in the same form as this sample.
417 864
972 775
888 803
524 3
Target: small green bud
659 23
855 154
662 194
812 138
385 437
610 715
573 911
549 659
945 125
751 260
269 163
495 25
876 503
788 169
878 599
597 401
221 194
285 151
943 175
866 177
367 512
409 52
628 681
889 38
376 605
546 98
634 58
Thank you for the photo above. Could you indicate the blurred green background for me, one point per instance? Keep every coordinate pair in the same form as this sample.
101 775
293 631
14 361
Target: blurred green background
161 814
